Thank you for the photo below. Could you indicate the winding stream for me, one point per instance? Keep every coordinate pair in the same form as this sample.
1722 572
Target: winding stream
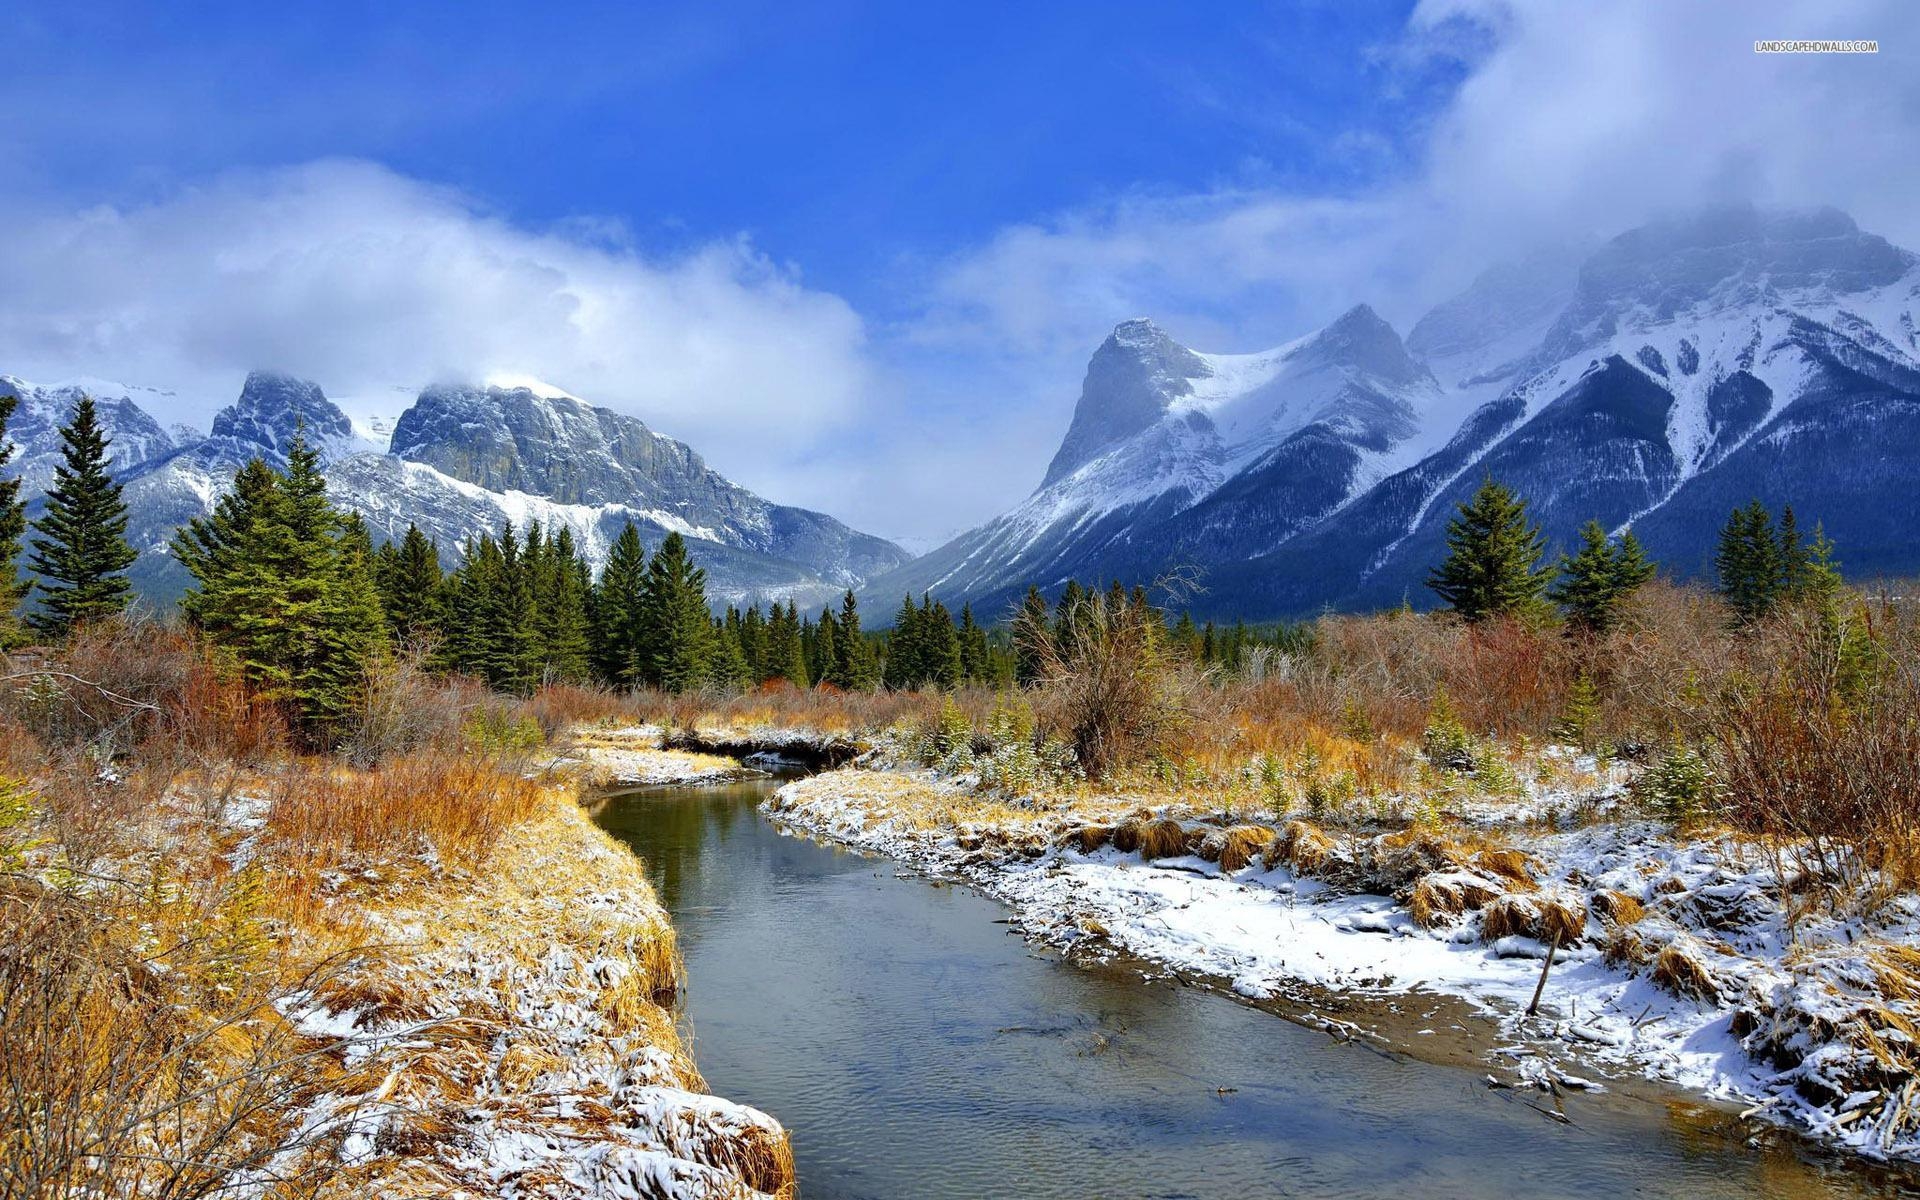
917 1047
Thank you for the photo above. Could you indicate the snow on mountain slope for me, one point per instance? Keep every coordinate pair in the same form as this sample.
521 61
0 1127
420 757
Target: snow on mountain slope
1640 384
132 435
466 460
1160 429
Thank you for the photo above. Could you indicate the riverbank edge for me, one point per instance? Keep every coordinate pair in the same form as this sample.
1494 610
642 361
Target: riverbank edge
1059 873
514 1032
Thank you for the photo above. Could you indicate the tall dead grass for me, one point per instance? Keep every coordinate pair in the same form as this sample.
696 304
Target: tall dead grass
452 806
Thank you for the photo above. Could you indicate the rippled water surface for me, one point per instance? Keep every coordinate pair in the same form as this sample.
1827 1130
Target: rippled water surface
916 1048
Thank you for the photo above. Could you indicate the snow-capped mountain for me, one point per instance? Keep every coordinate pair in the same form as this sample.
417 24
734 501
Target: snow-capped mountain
133 435
459 461
1680 369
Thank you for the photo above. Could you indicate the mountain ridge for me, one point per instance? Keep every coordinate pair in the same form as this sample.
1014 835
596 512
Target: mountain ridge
1667 370
462 459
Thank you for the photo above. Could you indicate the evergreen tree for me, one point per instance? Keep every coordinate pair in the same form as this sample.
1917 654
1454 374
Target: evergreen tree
1595 582
1186 636
1794 554
1748 563
727 666
854 667
975 666
1493 557
676 627
1032 619
1069 614
904 667
617 600
825 658
753 644
81 555
284 584
940 646
13 526
560 610
1819 574
786 655
410 581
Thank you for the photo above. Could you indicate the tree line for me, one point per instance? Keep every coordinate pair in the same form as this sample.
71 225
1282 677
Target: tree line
294 591
1493 565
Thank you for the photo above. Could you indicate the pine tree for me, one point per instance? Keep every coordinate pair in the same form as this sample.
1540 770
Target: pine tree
410 581
284 584
560 610
1794 555
1748 563
13 526
904 660
727 666
825 656
1032 620
753 644
676 627
940 646
1069 614
1820 574
975 666
1493 557
616 611
81 555
786 653
1596 582
854 668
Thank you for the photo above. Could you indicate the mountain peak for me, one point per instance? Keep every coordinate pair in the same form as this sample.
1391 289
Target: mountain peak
1361 338
273 407
1132 379
1728 250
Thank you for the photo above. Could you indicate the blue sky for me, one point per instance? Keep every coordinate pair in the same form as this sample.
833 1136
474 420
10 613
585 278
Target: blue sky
857 254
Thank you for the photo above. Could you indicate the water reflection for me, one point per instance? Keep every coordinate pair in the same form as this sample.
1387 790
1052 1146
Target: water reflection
917 1048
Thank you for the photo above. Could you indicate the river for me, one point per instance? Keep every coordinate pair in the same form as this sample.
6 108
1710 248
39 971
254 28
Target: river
917 1047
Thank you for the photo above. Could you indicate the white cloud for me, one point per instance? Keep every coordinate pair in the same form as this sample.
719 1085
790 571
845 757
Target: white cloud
362 279
1572 120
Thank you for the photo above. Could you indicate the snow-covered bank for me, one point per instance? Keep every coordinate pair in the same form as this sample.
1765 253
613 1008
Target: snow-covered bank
634 756
1676 959
511 1037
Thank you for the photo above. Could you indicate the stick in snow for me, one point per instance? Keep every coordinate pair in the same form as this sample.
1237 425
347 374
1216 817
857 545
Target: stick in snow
1546 966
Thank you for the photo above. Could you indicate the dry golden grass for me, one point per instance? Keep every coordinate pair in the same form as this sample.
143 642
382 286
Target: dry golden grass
1617 909
1545 918
1301 848
1241 845
1682 973
1162 837
1089 838
1440 899
437 893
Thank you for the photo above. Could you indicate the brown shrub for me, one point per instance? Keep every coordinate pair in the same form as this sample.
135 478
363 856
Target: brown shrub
1818 736
117 1079
1162 838
1543 918
1114 690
